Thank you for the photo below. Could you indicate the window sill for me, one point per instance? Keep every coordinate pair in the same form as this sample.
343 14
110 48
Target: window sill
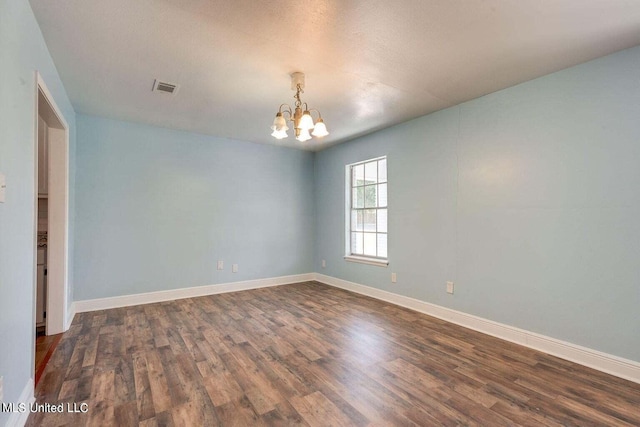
364 260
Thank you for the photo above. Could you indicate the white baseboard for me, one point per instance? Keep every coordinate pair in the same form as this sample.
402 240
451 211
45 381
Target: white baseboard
173 294
614 365
71 313
19 419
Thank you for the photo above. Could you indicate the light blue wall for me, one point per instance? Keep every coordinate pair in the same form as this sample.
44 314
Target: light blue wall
528 199
22 52
157 208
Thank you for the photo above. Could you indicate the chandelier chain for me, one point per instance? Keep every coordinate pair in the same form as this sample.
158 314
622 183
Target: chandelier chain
299 90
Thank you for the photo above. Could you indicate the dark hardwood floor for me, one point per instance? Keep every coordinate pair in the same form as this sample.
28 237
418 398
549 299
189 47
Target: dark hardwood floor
45 345
311 354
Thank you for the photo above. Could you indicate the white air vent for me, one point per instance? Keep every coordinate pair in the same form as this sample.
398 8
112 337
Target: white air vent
164 87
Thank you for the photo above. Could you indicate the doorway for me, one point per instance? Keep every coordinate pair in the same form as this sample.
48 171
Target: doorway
52 214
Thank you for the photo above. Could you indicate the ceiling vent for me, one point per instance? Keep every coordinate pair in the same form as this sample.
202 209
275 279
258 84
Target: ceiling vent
164 87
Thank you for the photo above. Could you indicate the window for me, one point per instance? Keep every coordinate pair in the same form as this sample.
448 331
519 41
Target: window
366 212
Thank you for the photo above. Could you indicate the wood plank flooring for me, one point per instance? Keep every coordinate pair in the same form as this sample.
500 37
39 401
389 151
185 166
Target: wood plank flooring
45 345
310 354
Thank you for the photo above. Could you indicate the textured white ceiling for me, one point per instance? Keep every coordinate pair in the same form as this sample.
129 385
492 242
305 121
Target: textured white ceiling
368 64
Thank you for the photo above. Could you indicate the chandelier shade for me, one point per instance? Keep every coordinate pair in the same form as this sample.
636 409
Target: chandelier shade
302 120
279 127
320 129
303 135
306 122
279 134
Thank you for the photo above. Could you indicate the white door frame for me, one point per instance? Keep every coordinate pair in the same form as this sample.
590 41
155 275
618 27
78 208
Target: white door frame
58 223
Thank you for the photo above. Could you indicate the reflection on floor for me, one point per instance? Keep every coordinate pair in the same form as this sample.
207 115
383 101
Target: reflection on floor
44 349
310 354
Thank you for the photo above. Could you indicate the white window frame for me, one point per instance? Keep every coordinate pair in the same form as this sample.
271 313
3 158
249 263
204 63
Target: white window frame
349 255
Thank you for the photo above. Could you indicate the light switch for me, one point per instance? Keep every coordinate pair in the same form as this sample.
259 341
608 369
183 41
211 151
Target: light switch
3 187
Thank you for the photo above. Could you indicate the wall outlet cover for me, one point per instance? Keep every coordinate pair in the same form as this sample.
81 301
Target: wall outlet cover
220 265
449 287
234 268
394 278
3 187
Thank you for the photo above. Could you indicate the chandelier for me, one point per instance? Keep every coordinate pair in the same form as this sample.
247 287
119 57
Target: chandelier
299 117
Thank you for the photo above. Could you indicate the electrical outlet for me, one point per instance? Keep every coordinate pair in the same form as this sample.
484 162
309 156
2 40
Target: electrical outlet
324 263
449 287
394 278
234 268
3 187
220 265
1 389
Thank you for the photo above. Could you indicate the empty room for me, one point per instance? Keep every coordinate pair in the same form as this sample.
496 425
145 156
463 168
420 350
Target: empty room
319 213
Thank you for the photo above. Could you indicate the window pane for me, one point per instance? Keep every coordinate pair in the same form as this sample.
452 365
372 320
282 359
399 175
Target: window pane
357 243
382 245
358 175
370 244
368 216
370 220
371 172
358 197
370 196
382 170
357 222
382 195
382 220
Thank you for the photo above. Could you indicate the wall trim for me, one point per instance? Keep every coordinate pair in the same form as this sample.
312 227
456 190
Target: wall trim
608 363
173 294
58 247
71 313
19 419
